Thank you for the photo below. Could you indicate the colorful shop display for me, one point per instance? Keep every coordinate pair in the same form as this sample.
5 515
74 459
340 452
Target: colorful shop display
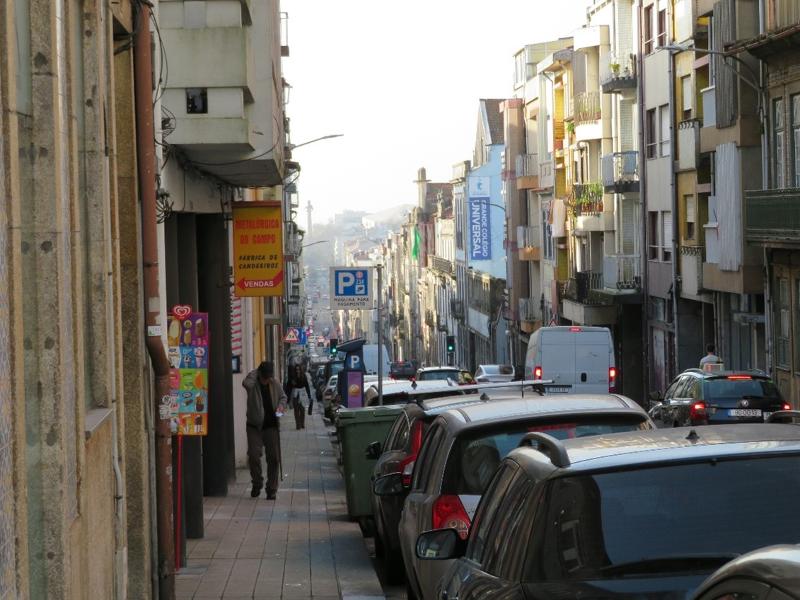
187 336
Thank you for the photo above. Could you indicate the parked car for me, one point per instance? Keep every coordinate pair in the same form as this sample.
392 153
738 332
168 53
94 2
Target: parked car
400 392
771 573
403 369
576 359
460 376
698 397
463 447
397 454
329 396
648 514
494 373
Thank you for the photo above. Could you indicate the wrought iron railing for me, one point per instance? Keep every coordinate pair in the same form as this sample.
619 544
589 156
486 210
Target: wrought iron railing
772 215
441 264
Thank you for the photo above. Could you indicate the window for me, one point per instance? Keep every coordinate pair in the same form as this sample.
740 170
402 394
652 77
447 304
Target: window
648 29
196 101
662 27
425 462
795 100
691 217
547 229
782 323
777 142
480 540
686 97
666 236
652 235
651 141
666 126
519 69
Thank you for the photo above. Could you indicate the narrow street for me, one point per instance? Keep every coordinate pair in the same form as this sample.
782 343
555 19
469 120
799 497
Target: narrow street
300 546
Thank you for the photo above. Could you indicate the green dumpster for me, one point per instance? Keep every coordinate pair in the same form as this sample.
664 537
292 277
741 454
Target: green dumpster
357 428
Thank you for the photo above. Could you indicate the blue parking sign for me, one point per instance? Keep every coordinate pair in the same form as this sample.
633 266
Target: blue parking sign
351 287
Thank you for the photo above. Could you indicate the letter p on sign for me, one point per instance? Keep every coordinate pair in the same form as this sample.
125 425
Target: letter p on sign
344 280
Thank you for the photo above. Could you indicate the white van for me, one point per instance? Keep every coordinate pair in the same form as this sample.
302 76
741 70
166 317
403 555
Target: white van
577 359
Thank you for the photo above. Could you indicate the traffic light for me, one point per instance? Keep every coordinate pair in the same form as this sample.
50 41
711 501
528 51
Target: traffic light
451 343
332 346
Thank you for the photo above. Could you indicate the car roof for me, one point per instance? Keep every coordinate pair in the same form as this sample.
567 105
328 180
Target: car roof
754 373
513 407
442 368
671 445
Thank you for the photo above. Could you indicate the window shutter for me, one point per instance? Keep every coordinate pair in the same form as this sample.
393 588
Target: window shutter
666 228
691 209
628 226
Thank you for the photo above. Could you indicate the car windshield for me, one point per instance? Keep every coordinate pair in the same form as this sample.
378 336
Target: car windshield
498 369
475 455
676 518
740 388
438 375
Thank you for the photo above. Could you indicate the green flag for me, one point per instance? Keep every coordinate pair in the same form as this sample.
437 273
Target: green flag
415 247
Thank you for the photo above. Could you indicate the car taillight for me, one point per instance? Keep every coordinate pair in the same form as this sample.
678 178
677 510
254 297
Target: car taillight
697 412
407 464
737 377
537 372
416 437
786 406
407 468
612 379
449 513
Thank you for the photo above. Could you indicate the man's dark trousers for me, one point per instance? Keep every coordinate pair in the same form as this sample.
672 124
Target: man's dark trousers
268 439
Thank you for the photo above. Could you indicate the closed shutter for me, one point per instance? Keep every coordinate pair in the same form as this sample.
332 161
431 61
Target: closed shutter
628 226
666 235
626 125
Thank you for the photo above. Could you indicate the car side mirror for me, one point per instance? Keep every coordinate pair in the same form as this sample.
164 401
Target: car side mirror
440 544
373 450
389 485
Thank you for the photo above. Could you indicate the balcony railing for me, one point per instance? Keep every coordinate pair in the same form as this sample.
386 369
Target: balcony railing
772 216
528 165
587 107
618 73
586 199
584 288
530 310
529 242
546 173
621 272
621 171
440 264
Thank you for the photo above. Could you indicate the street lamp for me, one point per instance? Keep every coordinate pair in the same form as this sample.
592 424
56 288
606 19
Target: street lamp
315 243
752 83
324 137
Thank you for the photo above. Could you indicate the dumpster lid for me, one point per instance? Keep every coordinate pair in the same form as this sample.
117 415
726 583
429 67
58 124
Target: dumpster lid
368 412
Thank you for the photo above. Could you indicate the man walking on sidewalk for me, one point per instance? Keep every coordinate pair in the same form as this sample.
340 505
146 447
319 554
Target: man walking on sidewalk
266 400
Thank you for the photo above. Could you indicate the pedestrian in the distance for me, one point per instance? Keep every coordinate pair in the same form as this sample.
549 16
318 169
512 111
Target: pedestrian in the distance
710 358
297 387
266 401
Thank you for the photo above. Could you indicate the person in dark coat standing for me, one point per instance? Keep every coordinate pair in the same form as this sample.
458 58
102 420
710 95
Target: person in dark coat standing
296 386
266 400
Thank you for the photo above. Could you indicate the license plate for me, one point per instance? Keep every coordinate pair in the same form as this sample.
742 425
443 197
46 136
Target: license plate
744 412
557 389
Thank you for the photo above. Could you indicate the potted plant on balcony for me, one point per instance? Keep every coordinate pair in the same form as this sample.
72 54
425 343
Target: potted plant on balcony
614 66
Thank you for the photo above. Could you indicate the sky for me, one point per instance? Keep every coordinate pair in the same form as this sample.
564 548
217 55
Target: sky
401 80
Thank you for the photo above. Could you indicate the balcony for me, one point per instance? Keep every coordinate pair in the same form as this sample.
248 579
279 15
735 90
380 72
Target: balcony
622 273
586 206
691 271
442 265
688 144
587 108
529 242
457 308
583 301
618 75
527 172
530 314
772 217
621 172
546 179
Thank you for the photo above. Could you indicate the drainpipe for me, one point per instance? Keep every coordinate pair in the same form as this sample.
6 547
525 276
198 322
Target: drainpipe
676 280
762 71
145 155
643 218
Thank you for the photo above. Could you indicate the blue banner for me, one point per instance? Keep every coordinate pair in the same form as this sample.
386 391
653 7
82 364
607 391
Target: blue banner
480 229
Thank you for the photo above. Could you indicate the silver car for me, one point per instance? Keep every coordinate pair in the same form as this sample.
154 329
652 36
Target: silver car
463 447
494 373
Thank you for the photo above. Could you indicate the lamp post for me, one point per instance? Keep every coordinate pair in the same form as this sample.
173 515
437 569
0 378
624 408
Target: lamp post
324 137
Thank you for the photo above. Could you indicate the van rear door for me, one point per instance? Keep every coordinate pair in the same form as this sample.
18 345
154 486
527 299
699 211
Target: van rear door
592 361
557 353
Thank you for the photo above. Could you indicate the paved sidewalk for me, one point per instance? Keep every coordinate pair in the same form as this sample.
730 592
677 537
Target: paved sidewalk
300 546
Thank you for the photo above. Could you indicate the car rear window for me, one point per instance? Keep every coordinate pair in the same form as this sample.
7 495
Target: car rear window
666 519
438 375
739 388
475 455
